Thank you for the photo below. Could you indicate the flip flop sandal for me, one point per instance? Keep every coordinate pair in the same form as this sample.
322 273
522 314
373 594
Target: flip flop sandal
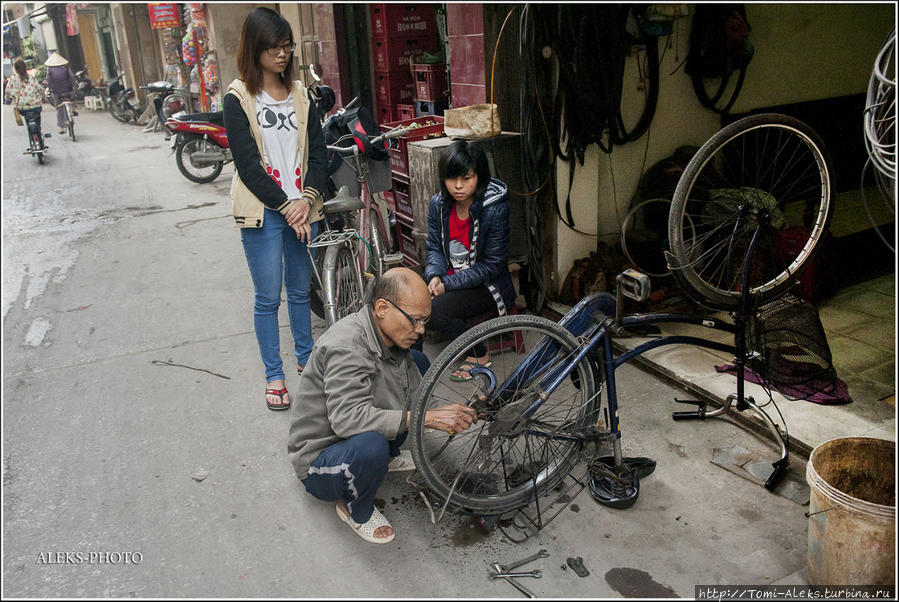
367 531
464 368
401 462
277 407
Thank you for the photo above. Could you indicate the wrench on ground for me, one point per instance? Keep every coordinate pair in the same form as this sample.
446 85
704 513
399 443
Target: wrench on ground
517 585
534 574
505 568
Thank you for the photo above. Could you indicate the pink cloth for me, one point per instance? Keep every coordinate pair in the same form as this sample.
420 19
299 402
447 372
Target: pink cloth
822 391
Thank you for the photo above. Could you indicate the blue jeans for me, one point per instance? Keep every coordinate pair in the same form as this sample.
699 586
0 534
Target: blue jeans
274 254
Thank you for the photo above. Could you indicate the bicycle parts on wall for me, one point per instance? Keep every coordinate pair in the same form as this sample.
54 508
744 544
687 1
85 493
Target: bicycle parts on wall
544 424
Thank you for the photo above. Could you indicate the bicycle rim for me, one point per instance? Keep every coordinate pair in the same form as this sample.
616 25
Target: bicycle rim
348 296
504 461
768 173
378 240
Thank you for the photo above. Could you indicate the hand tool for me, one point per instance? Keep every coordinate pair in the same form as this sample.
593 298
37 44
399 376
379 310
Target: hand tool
534 574
505 568
517 585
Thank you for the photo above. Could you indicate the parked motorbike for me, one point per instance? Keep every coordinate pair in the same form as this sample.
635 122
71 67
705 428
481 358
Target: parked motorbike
83 86
169 101
200 145
122 103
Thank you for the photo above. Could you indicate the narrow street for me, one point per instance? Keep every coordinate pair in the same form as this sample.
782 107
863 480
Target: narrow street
134 424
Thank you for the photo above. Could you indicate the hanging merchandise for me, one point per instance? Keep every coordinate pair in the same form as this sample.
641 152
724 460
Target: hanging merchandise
71 20
188 48
210 72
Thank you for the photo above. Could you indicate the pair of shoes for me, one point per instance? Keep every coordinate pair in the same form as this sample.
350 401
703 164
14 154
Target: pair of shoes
74 113
299 371
62 130
463 374
367 531
401 462
277 406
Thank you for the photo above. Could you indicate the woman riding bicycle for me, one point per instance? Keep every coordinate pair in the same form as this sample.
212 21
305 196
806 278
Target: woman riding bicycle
467 247
275 136
26 92
61 82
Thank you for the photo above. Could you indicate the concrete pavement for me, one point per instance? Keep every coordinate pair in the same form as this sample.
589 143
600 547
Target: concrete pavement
130 367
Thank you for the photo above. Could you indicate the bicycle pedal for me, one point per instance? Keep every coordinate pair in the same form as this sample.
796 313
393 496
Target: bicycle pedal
393 258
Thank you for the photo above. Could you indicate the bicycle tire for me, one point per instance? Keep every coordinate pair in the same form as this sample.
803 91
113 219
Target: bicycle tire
769 172
571 408
119 112
378 240
71 127
189 144
346 280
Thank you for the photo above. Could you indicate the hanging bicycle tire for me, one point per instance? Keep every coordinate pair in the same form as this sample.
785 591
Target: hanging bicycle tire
766 172
507 458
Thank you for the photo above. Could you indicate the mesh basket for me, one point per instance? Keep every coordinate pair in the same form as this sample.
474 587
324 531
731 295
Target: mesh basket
794 356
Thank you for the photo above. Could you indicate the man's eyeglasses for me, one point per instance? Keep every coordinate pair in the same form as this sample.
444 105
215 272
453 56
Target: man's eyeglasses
287 48
414 321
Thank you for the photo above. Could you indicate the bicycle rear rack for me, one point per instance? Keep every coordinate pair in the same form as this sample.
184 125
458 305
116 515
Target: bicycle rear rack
333 237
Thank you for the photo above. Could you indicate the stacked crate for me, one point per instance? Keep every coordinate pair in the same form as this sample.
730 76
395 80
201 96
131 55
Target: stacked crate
430 88
411 229
400 33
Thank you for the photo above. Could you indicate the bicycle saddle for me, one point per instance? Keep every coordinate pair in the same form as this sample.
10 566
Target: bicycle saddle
343 202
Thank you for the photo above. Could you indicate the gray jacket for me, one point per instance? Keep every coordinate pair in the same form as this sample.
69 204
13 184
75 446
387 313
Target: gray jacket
352 383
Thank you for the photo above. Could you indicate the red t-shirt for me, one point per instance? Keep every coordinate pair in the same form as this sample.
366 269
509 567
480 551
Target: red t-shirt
460 239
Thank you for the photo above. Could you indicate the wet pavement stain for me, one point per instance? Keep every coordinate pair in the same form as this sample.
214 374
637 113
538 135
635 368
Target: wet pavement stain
467 535
634 583
575 508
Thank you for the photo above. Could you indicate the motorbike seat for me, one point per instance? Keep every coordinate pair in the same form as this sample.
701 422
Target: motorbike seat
216 117
160 87
342 202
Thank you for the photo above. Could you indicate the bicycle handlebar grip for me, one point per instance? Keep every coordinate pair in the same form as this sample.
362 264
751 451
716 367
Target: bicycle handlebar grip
698 415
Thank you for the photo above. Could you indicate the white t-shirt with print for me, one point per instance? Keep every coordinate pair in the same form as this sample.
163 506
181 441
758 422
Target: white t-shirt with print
278 123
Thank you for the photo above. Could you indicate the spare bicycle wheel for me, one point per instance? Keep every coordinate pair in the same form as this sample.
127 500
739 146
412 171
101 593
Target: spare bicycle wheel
766 173
644 236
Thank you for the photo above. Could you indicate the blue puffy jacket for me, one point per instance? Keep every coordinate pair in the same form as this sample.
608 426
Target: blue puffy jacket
488 251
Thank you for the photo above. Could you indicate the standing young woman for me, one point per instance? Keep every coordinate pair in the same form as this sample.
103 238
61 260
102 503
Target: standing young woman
467 247
275 136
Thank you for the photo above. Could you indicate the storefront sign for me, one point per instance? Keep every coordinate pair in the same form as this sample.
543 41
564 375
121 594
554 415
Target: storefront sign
163 16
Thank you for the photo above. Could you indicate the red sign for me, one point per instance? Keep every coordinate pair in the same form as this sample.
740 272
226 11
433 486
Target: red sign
163 16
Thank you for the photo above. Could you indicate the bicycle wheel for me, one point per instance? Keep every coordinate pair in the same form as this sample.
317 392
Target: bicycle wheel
768 173
378 241
506 459
348 281
199 172
71 127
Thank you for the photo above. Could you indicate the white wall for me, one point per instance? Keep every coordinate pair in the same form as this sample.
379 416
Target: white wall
802 52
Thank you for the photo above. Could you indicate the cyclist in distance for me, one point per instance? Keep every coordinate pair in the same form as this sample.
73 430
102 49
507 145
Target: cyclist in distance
61 82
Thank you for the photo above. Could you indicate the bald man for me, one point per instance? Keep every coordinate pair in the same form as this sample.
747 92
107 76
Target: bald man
352 411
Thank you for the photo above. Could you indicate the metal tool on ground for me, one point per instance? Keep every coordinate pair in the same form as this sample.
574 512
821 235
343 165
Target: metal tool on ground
505 568
517 585
534 574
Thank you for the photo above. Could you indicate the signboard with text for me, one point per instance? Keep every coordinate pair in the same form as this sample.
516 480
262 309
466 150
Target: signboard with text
163 16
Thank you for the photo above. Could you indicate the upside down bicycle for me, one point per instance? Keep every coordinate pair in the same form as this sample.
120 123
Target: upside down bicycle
540 405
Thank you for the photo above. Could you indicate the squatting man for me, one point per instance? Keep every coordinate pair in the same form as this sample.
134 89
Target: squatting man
351 414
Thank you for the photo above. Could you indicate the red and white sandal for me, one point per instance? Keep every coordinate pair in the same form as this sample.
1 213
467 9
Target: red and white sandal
277 406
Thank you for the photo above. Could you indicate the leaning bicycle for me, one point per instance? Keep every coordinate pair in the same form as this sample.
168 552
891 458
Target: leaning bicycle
70 116
355 246
548 403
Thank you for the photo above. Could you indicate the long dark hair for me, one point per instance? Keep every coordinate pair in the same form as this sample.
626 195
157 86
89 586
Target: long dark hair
457 159
20 68
262 29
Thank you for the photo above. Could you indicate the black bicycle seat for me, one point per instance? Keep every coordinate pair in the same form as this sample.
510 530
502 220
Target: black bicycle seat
342 203
160 87
216 117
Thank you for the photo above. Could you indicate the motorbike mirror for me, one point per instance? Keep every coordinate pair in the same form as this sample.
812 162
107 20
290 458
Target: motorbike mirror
316 70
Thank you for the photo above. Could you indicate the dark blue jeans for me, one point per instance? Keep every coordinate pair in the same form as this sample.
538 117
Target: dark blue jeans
352 469
275 255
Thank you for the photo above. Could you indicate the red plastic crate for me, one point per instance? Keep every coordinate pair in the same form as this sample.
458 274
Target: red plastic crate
390 200
399 161
385 113
403 20
402 199
405 111
392 88
393 54
430 81
407 244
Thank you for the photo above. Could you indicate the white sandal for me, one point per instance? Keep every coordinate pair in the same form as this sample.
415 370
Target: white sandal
401 462
367 531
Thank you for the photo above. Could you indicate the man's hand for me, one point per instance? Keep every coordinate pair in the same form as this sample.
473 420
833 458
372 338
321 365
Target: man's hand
436 286
452 418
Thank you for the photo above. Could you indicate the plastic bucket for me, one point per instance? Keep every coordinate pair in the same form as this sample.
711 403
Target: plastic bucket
852 512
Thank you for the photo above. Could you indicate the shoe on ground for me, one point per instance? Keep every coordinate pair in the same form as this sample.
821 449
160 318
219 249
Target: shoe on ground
367 530
402 462
62 130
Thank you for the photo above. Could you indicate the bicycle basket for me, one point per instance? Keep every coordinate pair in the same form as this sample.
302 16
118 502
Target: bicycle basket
794 357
